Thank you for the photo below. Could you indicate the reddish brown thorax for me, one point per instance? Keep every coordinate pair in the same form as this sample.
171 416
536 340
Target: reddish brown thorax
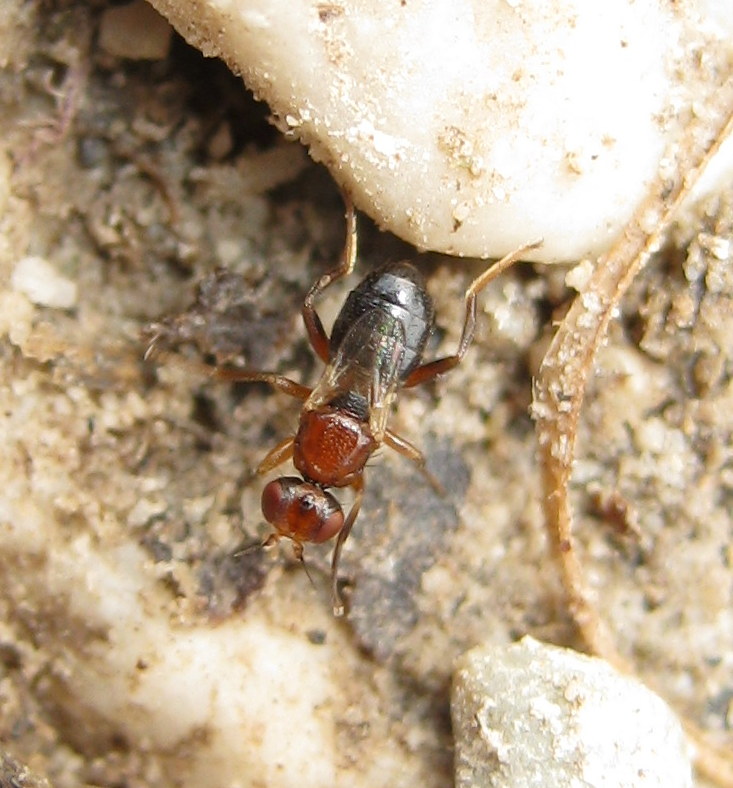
332 447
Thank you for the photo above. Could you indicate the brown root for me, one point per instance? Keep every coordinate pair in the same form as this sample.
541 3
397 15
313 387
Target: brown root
560 387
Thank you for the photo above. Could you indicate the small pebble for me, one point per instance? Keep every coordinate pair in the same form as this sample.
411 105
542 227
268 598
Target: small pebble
530 714
37 279
135 31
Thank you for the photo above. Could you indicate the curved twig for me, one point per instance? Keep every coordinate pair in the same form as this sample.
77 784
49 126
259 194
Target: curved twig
561 384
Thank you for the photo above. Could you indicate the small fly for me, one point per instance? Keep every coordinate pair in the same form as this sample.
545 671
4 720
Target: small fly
374 350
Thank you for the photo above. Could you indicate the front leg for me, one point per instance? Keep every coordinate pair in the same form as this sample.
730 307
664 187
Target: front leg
338 604
276 456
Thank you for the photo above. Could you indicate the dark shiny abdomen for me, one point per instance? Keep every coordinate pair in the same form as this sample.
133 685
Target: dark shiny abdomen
397 290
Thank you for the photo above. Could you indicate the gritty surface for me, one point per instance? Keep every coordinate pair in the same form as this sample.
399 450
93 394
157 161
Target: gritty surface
530 714
127 617
472 126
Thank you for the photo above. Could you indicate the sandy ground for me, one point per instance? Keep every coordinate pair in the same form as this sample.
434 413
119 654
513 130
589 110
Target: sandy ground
128 183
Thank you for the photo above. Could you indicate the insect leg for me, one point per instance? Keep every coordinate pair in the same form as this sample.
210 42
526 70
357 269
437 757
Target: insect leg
230 374
280 382
338 604
434 368
316 333
406 449
276 456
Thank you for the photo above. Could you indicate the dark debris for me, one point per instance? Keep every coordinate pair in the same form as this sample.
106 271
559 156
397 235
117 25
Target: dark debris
227 320
403 529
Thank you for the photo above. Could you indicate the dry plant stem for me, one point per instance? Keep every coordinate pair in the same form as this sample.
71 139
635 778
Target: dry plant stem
560 387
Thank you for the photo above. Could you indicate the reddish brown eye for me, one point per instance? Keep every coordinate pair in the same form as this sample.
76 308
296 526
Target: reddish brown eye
331 519
275 499
301 510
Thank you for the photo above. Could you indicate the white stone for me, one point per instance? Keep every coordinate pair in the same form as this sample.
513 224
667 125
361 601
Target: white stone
530 714
475 126
134 31
42 284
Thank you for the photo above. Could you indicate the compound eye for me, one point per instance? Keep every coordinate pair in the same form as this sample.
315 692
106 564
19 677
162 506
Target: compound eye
330 518
276 497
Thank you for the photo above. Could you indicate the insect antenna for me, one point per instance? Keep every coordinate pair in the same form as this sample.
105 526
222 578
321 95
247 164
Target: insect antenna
271 541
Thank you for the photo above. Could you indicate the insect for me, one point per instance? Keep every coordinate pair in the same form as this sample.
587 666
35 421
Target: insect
375 349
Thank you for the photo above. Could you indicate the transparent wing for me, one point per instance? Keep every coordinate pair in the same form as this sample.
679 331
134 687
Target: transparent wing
366 365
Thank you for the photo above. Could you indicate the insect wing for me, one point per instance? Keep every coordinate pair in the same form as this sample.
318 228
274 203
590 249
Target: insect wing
367 363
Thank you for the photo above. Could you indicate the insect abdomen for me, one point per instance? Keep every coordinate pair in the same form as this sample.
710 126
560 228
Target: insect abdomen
397 290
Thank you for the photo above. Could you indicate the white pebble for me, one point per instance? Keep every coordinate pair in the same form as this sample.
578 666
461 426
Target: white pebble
474 126
37 279
530 714
135 31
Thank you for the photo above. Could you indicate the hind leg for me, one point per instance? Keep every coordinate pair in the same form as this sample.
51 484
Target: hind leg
316 333
432 369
